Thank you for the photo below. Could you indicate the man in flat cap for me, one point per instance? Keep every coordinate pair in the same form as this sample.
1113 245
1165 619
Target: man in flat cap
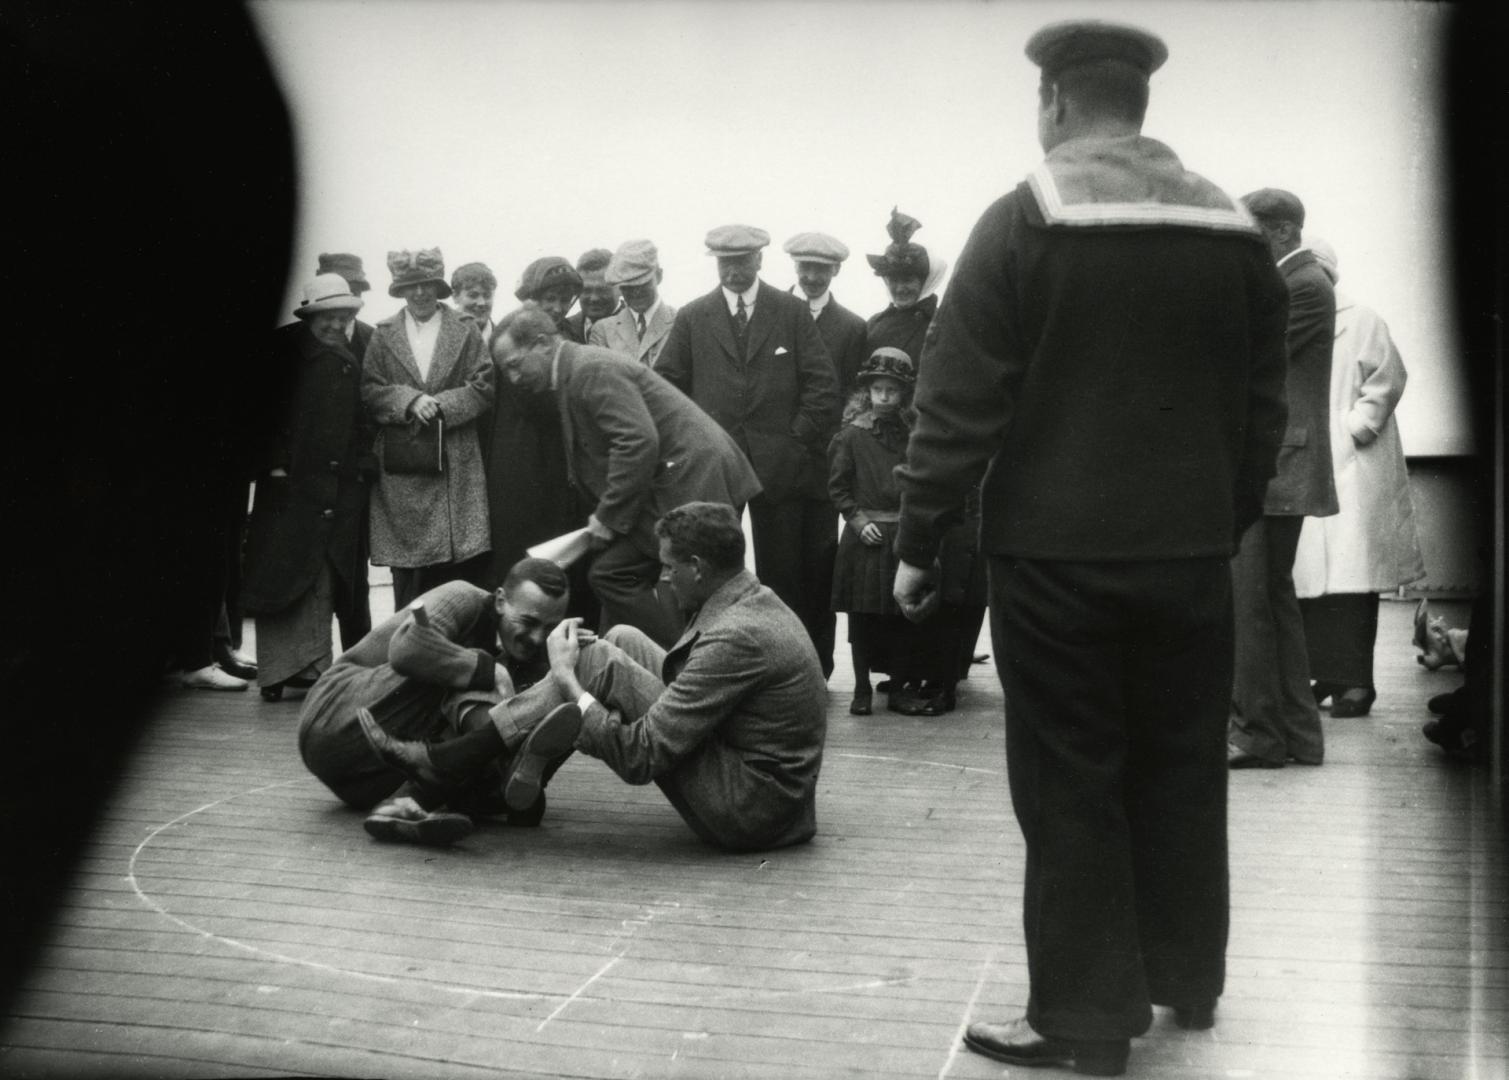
818 258
635 447
751 356
599 297
640 327
1274 717
1111 348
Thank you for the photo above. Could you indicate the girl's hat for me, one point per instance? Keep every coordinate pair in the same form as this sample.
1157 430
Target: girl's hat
546 273
890 362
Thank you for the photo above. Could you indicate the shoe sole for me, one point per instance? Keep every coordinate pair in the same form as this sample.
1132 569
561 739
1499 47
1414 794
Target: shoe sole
551 738
433 830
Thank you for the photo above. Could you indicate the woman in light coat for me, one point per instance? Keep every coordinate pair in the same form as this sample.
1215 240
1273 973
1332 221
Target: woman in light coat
1344 561
427 364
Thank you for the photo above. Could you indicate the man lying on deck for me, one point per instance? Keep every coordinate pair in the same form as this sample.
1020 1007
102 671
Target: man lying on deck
442 668
729 722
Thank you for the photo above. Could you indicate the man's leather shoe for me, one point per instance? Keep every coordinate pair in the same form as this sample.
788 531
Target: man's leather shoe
1237 758
403 819
408 756
1017 1044
862 705
1200 1016
551 738
237 663
1355 701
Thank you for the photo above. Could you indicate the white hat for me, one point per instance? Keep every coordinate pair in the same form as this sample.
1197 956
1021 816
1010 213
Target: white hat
327 292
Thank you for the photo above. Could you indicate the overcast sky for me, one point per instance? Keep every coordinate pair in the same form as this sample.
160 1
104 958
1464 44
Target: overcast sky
503 131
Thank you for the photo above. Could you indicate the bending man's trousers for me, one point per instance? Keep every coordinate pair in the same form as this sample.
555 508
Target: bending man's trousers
1117 679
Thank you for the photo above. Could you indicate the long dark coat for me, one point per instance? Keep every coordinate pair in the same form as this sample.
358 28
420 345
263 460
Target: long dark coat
323 439
430 520
778 398
901 328
1303 485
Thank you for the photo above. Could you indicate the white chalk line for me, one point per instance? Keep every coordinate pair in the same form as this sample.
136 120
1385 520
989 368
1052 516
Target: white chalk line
271 954
471 992
919 761
953 1050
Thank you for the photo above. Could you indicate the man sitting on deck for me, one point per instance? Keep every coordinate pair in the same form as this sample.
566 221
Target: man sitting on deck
442 667
729 723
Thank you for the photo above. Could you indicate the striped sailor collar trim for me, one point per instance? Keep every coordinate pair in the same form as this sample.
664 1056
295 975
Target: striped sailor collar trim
1086 184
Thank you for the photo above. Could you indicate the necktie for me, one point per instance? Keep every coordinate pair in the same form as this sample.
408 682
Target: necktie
741 318
639 321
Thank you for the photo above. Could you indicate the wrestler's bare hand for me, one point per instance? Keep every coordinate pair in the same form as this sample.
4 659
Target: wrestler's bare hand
564 646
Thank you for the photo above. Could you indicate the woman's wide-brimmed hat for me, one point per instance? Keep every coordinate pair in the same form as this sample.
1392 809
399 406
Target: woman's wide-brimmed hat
888 361
327 292
415 268
546 273
902 258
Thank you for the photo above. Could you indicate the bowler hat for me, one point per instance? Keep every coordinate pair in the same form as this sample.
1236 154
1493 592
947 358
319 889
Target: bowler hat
634 263
891 362
546 273
902 258
728 240
347 266
1275 204
416 268
1081 41
327 292
816 247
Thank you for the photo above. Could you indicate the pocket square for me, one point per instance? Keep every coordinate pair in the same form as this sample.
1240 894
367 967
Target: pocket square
780 350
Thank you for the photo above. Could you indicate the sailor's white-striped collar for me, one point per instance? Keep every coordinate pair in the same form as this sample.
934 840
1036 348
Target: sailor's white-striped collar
1055 211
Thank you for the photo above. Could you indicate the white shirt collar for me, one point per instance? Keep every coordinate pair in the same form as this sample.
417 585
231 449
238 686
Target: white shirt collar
351 330
649 312
816 306
732 298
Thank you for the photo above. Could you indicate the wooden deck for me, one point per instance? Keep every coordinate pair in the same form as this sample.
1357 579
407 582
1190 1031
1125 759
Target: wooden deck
231 919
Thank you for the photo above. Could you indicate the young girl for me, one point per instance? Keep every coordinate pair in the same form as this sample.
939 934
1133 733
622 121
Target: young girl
871 442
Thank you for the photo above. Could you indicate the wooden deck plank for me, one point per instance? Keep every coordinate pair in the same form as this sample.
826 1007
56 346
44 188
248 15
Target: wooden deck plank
269 935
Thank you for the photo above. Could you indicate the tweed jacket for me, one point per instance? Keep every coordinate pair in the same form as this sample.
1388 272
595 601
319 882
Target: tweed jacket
1304 486
843 334
430 520
736 739
778 398
639 446
1124 385
620 333
323 440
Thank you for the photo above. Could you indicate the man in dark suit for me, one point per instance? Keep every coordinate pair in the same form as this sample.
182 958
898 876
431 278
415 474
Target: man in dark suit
1123 385
1274 716
818 258
635 446
751 356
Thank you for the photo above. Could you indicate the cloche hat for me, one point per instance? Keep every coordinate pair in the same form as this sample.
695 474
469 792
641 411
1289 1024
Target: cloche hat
327 292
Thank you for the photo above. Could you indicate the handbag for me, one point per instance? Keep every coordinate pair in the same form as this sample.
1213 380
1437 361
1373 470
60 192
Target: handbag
414 449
